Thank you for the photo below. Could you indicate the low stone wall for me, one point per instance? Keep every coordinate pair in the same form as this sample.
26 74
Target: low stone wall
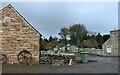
94 51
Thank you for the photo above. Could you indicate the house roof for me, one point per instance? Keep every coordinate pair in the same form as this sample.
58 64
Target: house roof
108 42
21 17
118 30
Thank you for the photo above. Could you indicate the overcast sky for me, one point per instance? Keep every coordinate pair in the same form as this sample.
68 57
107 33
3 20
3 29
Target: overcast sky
49 17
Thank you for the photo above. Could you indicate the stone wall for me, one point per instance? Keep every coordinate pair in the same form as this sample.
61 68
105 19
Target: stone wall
94 51
17 36
112 43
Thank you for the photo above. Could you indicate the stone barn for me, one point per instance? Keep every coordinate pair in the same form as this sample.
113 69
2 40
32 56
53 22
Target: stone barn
20 41
111 46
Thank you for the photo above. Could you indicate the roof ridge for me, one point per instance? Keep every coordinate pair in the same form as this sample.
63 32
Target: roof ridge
9 5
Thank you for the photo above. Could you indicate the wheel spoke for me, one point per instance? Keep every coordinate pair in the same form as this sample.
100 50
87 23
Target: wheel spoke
21 57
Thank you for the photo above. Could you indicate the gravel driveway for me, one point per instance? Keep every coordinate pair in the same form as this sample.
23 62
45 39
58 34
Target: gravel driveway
102 65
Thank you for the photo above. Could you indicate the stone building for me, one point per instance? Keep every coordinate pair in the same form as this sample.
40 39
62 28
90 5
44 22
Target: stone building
111 46
19 41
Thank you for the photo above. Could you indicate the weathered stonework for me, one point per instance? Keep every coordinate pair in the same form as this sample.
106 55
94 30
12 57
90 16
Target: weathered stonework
112 43
17 35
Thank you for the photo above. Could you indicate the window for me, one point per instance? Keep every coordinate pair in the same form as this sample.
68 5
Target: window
109 50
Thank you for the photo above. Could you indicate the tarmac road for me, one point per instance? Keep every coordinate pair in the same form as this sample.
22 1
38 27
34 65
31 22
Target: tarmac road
103 65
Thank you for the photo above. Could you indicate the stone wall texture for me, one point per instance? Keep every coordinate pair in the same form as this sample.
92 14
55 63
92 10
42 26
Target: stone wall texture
113 43
17 35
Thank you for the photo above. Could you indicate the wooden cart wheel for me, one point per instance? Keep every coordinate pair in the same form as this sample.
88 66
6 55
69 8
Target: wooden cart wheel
4 59
24 57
